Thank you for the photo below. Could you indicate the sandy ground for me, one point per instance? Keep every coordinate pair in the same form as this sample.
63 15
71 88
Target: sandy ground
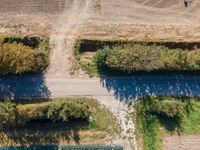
191 142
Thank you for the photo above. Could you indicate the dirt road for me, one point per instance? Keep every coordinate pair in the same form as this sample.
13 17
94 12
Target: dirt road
63 39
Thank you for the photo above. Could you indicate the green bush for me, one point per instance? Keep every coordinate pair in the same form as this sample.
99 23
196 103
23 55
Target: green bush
74 111
12 114
17 56
167 108
29 112
53 112
8 114
102 56
193 60
134 58
140 57
67 110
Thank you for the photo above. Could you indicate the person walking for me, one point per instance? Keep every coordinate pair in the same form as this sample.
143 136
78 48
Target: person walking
186 2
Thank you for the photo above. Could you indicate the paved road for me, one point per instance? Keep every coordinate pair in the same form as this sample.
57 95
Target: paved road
31 86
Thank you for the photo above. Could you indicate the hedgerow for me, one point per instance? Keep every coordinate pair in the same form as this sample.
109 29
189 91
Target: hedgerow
61 120
137 57
17 115
20 55
8 114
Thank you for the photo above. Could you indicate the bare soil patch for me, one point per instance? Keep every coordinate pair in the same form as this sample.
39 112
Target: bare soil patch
191 142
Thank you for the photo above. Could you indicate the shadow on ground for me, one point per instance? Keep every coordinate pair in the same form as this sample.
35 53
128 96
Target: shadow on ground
23 86
130 88
44 132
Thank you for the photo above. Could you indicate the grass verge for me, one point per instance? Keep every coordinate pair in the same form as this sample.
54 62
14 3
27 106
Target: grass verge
159 116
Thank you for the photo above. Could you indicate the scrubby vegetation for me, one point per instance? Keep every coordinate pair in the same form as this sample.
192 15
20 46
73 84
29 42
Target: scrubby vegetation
18 115
137 57
130 57
157 116
23 54
68 120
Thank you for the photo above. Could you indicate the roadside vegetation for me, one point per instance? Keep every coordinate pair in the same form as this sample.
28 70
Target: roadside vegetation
58 121
23 54
160 116
126 58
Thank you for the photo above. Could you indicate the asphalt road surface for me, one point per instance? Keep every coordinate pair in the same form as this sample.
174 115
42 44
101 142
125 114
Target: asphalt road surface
123 88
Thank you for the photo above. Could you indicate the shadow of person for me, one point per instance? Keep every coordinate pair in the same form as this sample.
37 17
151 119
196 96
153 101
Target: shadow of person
27 86
130 88
76 136
73 130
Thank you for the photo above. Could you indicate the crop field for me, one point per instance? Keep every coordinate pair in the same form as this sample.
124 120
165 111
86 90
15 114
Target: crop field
118 12
32 6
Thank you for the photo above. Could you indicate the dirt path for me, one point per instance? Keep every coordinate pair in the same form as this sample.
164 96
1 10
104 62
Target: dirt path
63 39
62 61
120 109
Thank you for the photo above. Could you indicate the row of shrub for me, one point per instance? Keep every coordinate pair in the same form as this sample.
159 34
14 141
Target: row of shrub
12 114
92 45
140 57
175 115
23 54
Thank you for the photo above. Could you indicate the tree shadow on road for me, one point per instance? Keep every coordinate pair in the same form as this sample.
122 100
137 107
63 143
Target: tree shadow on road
130 88
28 86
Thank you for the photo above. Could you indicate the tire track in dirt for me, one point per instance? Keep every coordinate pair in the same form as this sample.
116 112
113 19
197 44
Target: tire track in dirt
63 39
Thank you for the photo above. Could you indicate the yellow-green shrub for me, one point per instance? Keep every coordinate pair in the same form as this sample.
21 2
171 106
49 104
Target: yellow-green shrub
62 110
8 114
23 54
16 58
137 57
